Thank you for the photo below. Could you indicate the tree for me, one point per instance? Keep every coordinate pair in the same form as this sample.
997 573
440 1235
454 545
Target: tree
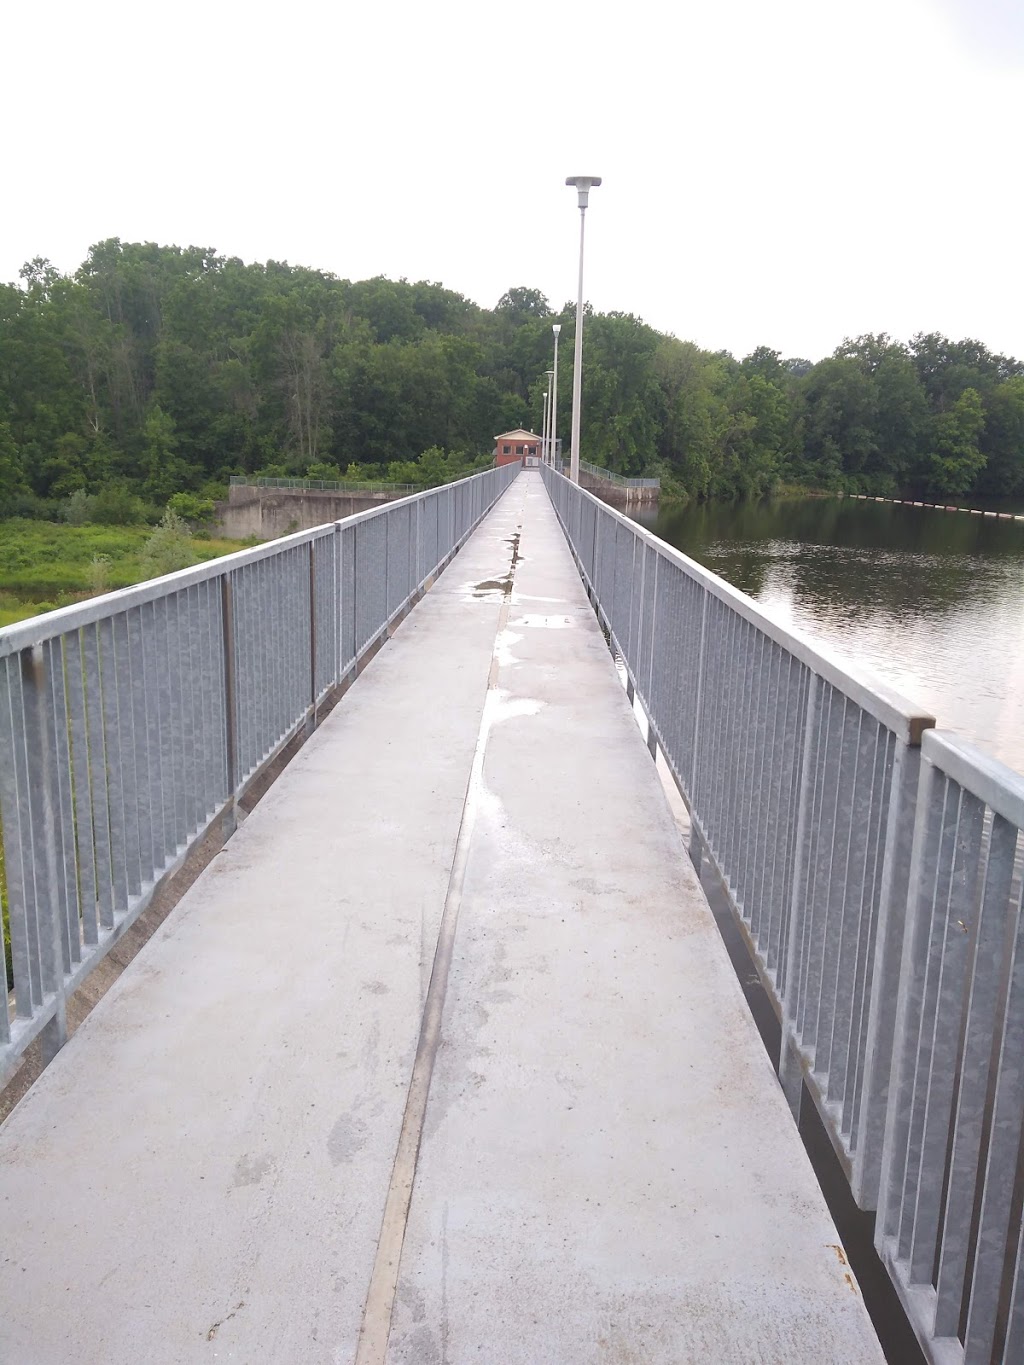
12 473
163 472
1002 441
155 370
520 304
839 418
956 460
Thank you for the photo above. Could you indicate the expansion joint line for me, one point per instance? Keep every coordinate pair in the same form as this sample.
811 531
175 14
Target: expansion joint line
380 1299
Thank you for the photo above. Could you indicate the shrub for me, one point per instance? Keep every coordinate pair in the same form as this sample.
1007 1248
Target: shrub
78 508
99 574
33 508
191 507
116 505
169 548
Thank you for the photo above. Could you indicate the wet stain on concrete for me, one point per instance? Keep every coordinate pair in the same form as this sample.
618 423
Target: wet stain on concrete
250 1170
347 1139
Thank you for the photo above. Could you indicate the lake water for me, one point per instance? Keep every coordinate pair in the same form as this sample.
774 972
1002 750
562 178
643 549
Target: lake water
930 602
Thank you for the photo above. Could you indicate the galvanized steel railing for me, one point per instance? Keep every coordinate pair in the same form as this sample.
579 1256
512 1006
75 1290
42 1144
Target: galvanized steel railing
130 723
875 867
949 1214
619 480
322 485
800 780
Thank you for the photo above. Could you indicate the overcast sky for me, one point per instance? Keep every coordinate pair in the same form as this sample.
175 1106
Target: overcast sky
781 173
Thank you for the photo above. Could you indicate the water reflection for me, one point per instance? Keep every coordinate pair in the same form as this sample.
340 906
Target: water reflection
930 602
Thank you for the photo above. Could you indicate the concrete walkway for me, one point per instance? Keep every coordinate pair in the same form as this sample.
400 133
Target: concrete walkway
442 1058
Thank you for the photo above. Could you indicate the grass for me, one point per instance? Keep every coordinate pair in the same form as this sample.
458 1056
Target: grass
46 564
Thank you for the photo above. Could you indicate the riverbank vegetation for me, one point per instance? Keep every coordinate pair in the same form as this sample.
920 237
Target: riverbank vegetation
159 371
45 565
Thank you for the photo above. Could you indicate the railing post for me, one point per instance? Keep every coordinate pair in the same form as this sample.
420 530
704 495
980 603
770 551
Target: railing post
339 579
227 610
698 700
311 718
894 908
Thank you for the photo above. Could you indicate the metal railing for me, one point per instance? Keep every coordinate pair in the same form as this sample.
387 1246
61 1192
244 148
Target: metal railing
800 781
949 1213
880 897
620 481
321 485
130 723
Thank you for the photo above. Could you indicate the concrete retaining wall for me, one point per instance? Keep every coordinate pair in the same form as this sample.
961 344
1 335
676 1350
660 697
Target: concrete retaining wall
615 494
267 513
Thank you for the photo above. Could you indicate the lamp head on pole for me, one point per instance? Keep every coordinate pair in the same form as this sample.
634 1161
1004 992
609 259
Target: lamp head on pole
556 327
583 184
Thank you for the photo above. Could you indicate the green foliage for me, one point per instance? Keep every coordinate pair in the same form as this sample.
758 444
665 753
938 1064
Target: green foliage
99 574
45 564
169 548
116 505
155 372
434 468
192 508
78 508
956 460
12 473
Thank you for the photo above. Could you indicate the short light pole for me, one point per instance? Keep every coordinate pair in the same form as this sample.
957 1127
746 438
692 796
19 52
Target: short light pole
544 428
556 327
583 184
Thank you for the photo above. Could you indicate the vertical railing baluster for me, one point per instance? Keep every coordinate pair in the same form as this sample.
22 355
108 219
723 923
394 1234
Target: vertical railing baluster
43 796
227 608
17 835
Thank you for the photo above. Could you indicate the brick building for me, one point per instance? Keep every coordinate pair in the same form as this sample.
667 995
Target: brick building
517 445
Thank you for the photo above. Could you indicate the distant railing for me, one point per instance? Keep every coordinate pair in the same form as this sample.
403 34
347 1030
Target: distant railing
885 920
596 472
321 485
131 723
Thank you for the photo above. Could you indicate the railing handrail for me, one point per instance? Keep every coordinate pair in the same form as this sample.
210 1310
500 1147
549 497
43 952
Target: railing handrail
999 786
321 485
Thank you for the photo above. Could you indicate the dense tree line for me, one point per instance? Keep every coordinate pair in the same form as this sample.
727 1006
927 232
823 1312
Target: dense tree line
159 370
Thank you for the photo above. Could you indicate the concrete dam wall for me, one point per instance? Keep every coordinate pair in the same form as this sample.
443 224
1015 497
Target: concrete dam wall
267 513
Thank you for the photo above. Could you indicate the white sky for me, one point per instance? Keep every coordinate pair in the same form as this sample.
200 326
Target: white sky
780 173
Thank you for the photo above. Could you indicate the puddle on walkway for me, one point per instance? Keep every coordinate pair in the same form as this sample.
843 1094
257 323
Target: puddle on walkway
544 622
490 587
500 587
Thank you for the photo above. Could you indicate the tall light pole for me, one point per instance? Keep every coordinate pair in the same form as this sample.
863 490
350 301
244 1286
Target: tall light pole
547 428
584 184
556 327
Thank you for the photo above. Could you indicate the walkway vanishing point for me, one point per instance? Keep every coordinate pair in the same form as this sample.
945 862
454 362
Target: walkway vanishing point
441 1059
